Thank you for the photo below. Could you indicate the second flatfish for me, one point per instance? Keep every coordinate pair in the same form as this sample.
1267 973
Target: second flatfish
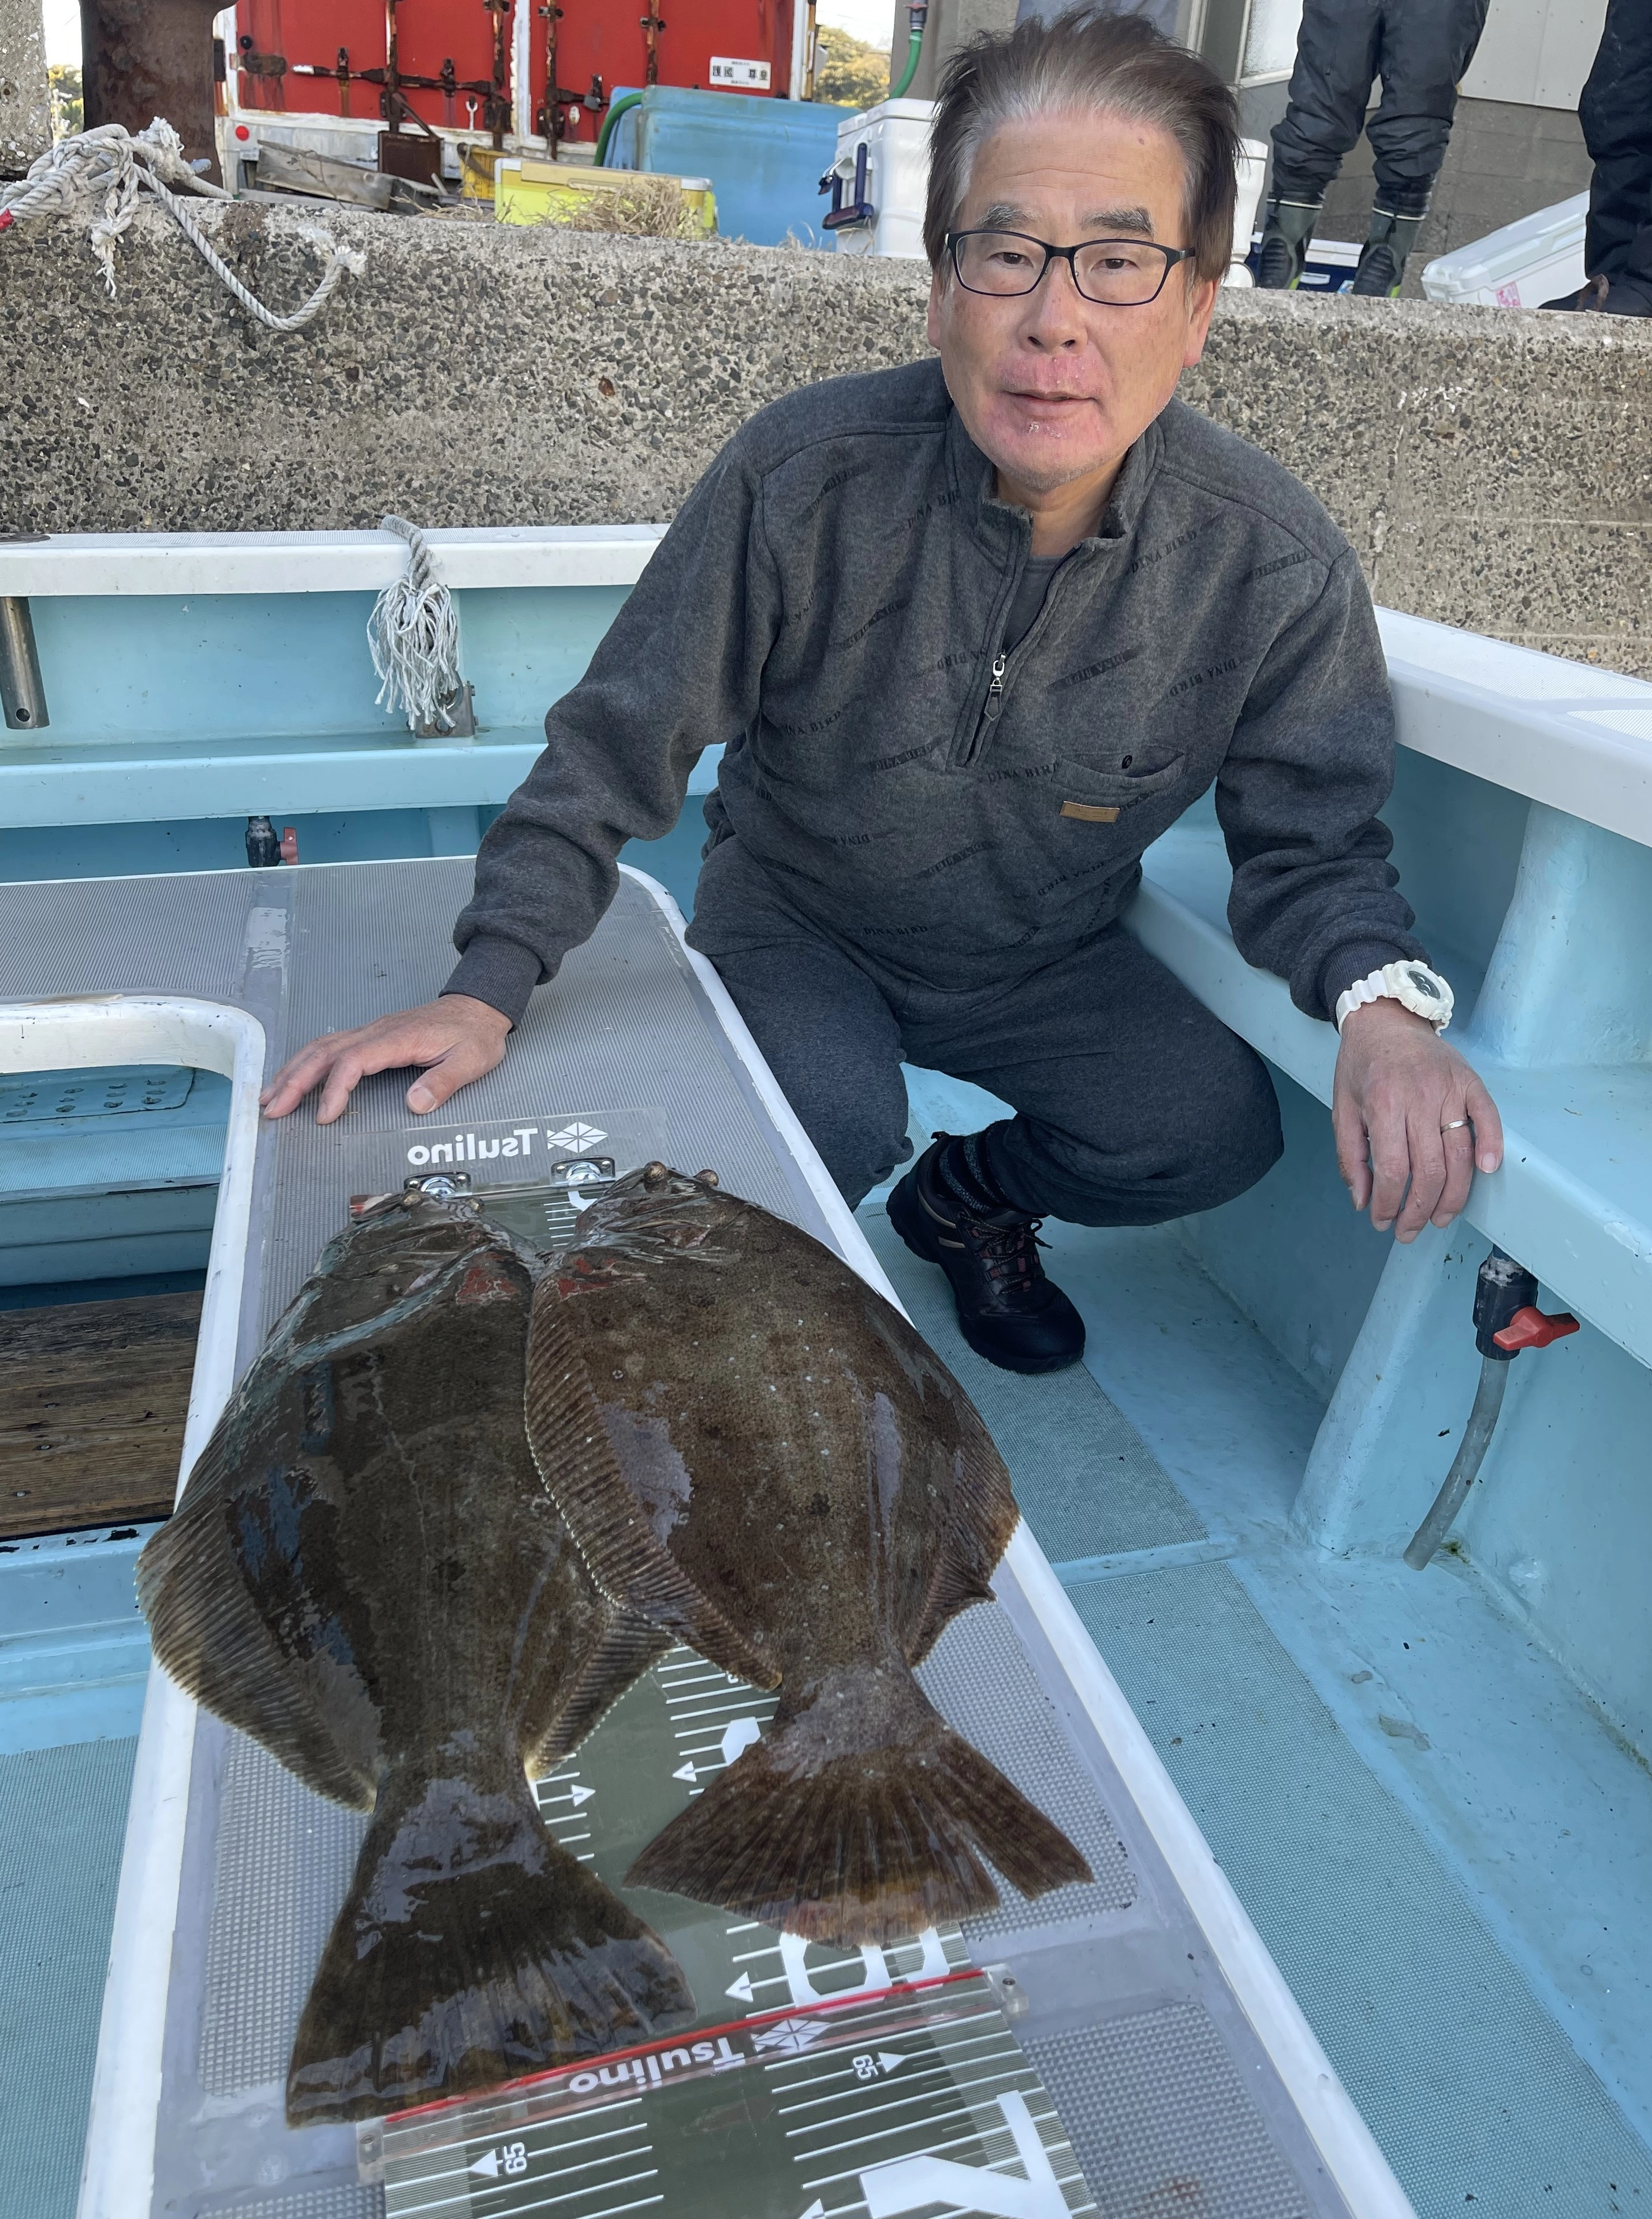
800 1490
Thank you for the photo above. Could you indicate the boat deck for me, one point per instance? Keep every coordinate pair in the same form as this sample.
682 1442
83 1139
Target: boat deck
1417 1925
1117 2002
1441 1844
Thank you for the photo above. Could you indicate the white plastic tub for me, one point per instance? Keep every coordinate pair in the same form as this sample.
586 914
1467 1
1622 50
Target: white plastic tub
1539 258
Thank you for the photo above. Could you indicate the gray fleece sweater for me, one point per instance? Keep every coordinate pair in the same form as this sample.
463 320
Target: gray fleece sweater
831 602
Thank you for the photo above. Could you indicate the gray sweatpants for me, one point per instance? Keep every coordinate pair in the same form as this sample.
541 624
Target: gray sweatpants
1133 1103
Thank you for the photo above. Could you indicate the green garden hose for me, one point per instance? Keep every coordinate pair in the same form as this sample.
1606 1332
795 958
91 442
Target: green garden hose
620 107
916 16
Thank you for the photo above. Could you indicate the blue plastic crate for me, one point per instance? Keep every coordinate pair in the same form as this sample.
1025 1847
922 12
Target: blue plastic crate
765 158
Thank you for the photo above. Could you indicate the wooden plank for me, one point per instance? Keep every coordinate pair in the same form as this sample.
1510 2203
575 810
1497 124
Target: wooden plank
93 1397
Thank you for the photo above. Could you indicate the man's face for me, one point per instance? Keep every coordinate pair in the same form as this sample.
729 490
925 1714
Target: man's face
1053 387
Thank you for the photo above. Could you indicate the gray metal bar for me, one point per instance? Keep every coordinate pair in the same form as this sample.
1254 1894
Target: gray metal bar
21 692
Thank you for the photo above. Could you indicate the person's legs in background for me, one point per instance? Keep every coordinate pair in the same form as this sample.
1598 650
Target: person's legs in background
1615 113
1425 49
1133 1104
1336 61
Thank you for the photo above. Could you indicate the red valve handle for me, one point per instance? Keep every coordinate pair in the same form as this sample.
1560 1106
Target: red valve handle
289 844
1530 1328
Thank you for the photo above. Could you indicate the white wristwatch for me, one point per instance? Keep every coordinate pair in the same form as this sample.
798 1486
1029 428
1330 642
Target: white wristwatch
1413 985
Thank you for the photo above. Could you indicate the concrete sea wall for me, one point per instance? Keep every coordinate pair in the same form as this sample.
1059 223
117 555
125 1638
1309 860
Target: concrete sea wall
25 111
1492 468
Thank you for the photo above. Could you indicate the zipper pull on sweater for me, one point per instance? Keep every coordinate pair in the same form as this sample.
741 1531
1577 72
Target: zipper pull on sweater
994 691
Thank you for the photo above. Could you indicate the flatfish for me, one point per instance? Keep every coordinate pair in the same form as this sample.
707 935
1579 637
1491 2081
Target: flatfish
800 1490
367 1573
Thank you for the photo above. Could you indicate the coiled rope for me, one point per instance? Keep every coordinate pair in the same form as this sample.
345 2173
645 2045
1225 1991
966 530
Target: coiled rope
414 633
96 178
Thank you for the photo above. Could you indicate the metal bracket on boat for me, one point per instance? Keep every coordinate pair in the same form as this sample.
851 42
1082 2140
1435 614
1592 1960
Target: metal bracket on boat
460 710
21 690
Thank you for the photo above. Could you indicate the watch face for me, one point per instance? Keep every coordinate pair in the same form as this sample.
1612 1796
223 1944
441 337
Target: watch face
1424 983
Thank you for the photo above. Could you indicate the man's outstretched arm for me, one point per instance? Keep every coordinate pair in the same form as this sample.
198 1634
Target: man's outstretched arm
454 1040
1315 899
679 668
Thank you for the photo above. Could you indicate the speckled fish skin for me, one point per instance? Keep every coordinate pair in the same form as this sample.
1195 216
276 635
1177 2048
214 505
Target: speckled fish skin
368 1575
808 1498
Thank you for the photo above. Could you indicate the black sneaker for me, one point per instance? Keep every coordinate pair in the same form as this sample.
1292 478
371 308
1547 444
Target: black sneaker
1008 1311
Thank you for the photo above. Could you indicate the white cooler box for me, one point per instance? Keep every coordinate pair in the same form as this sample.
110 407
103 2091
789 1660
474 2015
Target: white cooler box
1539 258
879 181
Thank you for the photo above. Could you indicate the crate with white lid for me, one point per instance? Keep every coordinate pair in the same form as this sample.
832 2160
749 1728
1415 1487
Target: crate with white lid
1539 258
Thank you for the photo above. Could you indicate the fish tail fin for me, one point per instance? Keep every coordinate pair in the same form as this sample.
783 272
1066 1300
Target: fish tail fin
860 1819
471 1948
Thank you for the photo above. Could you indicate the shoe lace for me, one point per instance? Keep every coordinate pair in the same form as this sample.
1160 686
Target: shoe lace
1008 1253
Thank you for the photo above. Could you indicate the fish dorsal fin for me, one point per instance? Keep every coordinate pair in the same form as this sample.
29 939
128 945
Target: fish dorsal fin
984 1517
632 1569
628 1647
209 1636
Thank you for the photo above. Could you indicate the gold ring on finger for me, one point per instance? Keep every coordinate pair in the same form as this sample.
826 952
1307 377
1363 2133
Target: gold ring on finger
1456 1125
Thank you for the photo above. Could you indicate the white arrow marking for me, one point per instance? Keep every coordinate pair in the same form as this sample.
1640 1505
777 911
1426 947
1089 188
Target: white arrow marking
686 1772
816 2210
488 2165
741 1988
890 2061
914 2183
573 1795
738 1734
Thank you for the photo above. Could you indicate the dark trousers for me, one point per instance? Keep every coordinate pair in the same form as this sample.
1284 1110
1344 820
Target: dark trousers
1419 48
1615 113
1133 1103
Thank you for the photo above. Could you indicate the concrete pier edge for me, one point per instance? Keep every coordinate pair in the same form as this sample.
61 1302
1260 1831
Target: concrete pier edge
25 101
1494 469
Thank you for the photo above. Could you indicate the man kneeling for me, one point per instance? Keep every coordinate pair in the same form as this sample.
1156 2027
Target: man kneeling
975 632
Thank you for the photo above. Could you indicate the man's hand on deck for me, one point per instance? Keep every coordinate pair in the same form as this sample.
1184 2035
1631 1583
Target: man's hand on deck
1406 1108
456 1039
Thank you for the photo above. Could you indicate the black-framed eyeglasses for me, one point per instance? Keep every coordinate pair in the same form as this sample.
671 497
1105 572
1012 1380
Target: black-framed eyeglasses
1114 273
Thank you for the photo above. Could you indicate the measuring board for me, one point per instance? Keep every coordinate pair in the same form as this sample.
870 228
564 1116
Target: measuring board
883 2078
1162 2064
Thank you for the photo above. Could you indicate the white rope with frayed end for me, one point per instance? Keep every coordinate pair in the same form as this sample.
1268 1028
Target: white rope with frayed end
96 178
413 632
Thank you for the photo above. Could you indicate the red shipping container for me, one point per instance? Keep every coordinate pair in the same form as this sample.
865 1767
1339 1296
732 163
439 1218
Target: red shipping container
604 40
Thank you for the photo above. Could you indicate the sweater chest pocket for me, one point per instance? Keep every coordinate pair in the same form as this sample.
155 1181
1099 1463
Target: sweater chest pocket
1101 797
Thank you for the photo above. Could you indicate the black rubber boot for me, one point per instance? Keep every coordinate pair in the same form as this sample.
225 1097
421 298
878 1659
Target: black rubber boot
1008 1311
1382 258
1285 236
